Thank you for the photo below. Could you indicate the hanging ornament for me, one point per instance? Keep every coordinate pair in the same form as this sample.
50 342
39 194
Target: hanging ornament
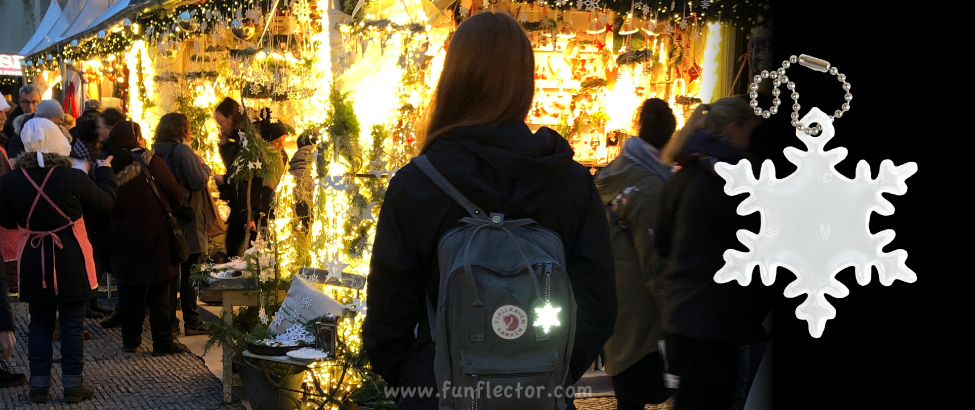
187 22
705 3
335 268
102 36
547 316
377 168
126 23
589 5
74 46
673 4
523 16
799 212
241 30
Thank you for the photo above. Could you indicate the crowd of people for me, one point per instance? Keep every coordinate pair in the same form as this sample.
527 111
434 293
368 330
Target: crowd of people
643 239
79 200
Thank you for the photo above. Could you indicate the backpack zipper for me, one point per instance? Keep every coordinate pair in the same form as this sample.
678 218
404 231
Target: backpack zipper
476 393
548 281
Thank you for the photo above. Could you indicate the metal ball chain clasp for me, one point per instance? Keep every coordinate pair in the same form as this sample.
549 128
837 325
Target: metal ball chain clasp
778 78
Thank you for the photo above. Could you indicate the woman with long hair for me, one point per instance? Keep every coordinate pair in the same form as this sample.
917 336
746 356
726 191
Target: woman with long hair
46 200
705 322
478 139
230 118
630 188
143 263
173 136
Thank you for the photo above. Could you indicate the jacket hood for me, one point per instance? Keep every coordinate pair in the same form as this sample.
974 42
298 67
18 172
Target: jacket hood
708 148
50 160
533 161
133 170
162 147
635 163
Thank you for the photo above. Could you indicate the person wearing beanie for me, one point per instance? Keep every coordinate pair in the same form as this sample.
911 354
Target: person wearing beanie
143 265
46 200
49 109
93 109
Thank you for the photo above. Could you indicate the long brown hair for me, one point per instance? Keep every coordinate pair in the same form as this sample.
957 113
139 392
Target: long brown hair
713 117
488 76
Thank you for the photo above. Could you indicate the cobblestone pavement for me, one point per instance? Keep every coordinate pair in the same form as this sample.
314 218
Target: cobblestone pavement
609 403
121 380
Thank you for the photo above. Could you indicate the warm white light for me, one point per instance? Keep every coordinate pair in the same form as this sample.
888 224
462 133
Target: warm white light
547 317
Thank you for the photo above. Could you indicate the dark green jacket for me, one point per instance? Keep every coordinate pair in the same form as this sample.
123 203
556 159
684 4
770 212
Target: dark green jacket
631 189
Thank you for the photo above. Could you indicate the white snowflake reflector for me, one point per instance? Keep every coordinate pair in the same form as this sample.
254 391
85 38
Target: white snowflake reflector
815 223
548 317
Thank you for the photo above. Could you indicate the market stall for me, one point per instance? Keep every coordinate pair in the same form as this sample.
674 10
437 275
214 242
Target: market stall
359 75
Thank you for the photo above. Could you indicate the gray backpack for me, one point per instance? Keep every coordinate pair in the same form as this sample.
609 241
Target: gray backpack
502 282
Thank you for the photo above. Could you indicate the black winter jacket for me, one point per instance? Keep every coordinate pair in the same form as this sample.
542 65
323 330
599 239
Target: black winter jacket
696 224
78 196
505 169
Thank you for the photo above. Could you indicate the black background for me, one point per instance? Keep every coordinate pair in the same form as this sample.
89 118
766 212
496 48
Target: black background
879 351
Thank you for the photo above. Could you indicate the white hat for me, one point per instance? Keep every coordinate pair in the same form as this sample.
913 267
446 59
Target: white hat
42 136
3 103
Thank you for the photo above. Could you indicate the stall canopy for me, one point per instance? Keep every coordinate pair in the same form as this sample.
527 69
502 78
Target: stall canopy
71 12
94 13
50 17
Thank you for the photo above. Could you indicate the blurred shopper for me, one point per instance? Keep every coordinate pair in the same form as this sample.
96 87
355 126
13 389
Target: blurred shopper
49 109
706 322
630 190
173 135
46 200
479 141
143 263
30 96
8 252
68 123
229 117
105 246
299 167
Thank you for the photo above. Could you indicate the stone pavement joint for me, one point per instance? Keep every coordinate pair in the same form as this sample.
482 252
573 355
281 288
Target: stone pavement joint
121 380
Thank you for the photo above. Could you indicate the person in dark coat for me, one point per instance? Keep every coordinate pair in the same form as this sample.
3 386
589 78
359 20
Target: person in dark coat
273 132
46 200
630 190
85 149
172 143
229 115
142 257
706 322
103 224
479 141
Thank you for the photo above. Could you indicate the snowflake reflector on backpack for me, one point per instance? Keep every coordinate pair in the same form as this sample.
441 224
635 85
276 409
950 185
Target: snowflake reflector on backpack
815 223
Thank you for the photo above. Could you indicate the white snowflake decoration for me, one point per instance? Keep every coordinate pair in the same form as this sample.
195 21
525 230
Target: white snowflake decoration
705 3
669 29
277 321
392 172
683 24
307 303
589 5
296 332
263 316
815 223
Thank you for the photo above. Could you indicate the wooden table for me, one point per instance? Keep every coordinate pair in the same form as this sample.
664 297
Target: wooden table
236 292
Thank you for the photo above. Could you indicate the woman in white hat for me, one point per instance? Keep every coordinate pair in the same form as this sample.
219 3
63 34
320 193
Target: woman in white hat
45 200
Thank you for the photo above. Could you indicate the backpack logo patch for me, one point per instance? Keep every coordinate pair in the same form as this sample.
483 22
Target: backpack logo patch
509 322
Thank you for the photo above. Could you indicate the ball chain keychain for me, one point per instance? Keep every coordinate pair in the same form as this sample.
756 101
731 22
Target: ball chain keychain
779 78
815 222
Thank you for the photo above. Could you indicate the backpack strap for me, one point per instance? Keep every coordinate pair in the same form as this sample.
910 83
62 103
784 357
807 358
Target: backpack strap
428 169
